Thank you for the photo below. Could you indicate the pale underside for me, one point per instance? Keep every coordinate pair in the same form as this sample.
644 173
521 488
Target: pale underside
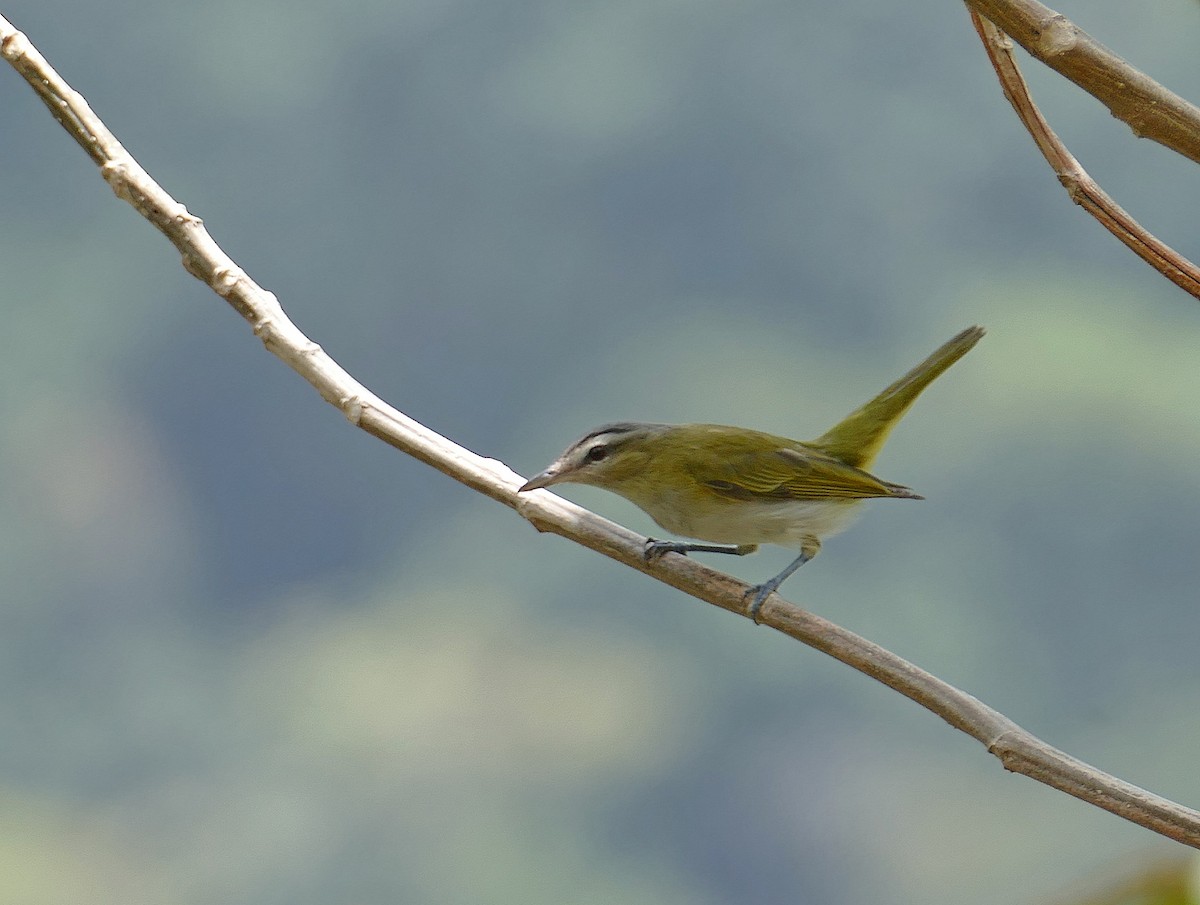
788 523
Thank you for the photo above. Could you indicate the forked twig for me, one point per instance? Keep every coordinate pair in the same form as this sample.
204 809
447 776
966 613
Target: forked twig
1083 190
1017 749
1148 108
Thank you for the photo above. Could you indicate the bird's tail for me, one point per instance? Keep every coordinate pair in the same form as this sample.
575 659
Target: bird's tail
857 439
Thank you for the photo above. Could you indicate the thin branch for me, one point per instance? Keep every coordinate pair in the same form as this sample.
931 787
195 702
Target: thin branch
1017 749
1148 108
1083 190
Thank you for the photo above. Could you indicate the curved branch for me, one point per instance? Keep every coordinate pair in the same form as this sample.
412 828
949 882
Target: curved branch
1148 108
1017 749
1083 190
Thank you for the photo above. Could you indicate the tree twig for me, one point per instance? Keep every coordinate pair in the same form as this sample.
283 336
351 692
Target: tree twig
1083 190
1017 749
1148 108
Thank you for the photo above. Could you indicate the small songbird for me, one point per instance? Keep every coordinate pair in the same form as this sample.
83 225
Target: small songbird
739 487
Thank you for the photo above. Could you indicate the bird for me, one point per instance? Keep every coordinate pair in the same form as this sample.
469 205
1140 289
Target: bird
737 488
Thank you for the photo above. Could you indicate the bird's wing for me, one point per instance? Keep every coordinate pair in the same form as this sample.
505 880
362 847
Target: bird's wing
793 474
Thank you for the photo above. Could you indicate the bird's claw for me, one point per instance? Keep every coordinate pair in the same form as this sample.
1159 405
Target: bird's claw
656 549
760 593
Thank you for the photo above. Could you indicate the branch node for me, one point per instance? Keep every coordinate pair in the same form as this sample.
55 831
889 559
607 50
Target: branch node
183 217
14 46
225 281
999 743
528 505
1075 189
1056 35
195 265
353 408
1137 125
541 525
116 174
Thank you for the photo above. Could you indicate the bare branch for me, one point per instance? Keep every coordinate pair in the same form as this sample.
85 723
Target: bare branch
1083 190
1018 750
1151 110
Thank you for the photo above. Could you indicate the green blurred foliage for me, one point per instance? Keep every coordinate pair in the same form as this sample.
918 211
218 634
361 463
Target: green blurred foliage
248 654
1155 881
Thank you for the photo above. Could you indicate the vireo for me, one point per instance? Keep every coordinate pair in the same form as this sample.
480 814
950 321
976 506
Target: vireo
741 487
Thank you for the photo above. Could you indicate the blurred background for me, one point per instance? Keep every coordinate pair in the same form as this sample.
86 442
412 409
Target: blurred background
249 654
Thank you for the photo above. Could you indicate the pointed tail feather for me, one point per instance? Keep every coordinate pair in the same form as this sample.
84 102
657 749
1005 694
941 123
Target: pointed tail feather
857 439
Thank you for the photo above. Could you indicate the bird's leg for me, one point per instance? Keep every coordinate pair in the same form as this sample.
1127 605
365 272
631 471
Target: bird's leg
770 586
656 548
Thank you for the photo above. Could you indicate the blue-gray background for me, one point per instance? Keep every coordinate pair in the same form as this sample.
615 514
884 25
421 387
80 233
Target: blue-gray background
248 654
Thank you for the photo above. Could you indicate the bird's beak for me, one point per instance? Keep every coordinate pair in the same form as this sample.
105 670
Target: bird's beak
543 479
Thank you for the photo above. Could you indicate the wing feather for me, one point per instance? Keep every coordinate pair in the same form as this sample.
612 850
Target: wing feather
789 473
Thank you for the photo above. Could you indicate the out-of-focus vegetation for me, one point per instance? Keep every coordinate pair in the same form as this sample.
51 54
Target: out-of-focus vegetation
248 654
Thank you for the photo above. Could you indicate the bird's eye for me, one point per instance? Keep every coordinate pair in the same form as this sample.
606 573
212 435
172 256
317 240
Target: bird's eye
596 454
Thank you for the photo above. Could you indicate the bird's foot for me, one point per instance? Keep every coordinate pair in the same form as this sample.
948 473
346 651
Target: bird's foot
656 549
771 585
758 596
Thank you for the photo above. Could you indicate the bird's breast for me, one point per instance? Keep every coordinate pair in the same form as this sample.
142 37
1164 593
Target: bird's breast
787 523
